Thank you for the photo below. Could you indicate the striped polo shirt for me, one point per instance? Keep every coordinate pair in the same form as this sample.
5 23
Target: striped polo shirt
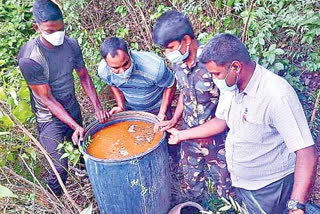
144 88
267 125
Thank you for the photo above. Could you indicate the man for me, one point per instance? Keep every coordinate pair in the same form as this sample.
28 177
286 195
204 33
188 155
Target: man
269 148
138 80
47 63
197 104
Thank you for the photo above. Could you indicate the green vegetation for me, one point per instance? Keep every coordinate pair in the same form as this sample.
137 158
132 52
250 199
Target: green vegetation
282 35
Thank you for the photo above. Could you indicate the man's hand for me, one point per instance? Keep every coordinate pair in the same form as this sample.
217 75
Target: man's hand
77 135
115 110
162 116
174 136
101 115
164 125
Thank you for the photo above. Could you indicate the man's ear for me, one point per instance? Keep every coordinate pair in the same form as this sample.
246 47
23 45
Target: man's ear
237 66
187 39
35 27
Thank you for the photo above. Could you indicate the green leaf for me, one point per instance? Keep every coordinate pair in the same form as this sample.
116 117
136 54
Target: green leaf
230 3
65 155
14 96
60 146
23 111
69 147
6 122
11 157
24 93
32 152
5 192
76 159
25 156
88 210
278 66
3 95
72 156
225 208
278 51
271 58
261 41
272 47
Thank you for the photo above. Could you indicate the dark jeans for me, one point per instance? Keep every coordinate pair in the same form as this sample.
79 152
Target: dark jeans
50 135
271 199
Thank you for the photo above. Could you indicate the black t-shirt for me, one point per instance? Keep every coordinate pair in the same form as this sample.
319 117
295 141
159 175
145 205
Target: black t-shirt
41 65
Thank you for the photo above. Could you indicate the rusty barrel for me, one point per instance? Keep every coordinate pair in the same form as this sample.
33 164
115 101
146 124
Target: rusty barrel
134 185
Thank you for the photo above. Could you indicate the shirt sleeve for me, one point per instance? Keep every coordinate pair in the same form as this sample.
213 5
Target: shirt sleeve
78 58
224 105
32 71
287 116
103 73
165 77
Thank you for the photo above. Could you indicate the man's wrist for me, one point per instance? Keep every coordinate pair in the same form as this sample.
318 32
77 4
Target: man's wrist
294 204
182 135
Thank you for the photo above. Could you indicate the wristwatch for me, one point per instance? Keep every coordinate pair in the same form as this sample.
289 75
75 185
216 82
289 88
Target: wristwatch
294 205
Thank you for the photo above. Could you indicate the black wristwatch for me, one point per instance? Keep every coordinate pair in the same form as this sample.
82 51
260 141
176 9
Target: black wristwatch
294 205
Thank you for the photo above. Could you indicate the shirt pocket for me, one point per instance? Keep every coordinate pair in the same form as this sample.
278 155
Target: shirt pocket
251 127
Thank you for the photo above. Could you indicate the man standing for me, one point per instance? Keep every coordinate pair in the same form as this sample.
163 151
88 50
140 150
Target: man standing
269 148
47 63
138 80
197 104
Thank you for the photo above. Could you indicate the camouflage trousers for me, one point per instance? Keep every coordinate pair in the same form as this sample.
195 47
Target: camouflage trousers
201 159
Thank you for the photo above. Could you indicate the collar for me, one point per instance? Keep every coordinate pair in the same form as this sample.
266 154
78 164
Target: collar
254 81
184 66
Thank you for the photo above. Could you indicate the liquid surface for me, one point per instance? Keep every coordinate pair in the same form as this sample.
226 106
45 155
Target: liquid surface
123 140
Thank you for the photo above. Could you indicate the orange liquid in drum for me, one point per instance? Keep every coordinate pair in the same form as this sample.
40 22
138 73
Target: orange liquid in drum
123 140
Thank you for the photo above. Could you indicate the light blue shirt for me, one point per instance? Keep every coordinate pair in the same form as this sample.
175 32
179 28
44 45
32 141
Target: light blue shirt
144 88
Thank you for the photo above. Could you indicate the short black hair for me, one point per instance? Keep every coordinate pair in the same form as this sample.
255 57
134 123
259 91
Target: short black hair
46 10
171 26
111 45
225 48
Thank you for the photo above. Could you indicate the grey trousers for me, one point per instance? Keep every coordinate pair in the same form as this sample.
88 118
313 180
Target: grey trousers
271 199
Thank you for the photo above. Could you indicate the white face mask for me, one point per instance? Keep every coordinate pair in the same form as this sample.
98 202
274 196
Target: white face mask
176 56
55 39
222 84
127 73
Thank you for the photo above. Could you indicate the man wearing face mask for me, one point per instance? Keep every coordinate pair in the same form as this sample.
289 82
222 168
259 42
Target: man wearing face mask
47 63
269 148
197 104
138 80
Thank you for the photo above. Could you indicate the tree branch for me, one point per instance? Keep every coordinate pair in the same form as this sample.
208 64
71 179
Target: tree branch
245 28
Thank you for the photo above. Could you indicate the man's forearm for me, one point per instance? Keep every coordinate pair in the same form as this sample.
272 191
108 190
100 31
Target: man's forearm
118 96
167 98
58 111
305 172
89 89
212 127
178 112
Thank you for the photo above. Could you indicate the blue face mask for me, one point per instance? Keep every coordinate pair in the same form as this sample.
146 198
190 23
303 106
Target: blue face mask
176 56
222 84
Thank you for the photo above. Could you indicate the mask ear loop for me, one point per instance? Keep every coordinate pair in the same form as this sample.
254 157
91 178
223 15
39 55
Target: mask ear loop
229 70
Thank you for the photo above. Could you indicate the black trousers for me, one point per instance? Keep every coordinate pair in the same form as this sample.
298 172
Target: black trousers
270 199
50 135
